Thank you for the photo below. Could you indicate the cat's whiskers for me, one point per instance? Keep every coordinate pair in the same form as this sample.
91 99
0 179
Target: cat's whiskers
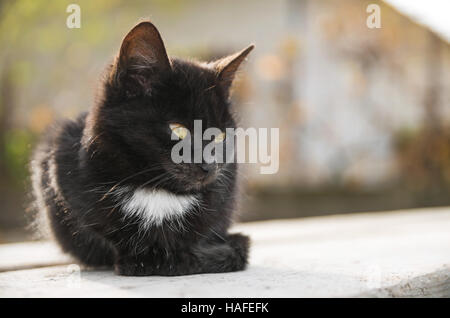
164 174
154 167
209 88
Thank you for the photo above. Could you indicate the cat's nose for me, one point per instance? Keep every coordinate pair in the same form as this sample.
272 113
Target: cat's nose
208 168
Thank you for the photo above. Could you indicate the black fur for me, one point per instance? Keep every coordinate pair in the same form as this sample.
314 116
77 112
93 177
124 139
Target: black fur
124 141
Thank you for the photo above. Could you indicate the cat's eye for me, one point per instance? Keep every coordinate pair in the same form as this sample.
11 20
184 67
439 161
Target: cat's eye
179 130
219 138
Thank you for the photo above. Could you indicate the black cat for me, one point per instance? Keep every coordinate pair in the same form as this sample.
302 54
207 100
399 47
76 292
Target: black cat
108 186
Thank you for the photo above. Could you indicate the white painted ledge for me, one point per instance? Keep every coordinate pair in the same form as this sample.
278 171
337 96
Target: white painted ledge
392 254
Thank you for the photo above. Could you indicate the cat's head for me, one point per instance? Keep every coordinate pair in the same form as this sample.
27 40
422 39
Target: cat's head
148 97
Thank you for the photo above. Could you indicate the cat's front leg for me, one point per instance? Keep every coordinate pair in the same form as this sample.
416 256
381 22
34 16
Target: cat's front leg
205 257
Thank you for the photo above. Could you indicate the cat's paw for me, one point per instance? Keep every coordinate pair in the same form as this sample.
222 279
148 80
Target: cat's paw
240 244
132 269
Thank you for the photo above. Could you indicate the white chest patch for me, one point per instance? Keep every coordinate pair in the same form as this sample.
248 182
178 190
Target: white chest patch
153 206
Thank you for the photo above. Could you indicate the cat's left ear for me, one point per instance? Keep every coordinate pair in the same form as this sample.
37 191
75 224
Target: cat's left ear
142 57
227 67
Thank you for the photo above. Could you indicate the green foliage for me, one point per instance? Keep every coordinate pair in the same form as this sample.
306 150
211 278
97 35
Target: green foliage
17 152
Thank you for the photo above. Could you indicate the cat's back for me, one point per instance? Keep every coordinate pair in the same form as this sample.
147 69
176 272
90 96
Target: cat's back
62 137
55 155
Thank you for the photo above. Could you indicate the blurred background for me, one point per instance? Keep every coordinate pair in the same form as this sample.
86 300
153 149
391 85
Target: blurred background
364 114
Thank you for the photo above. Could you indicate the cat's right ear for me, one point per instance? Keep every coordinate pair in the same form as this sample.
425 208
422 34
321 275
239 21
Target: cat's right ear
227 67
142 58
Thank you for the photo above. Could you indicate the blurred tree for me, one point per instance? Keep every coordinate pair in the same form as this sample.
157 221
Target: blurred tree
424 153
